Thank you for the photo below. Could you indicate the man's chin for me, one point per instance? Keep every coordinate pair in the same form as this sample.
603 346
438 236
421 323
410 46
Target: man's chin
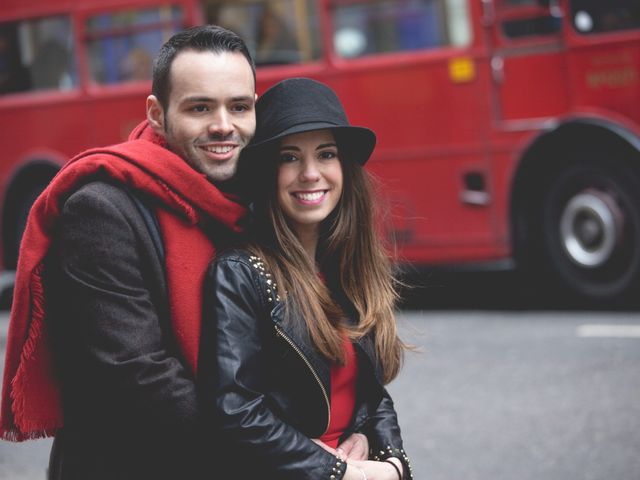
221 174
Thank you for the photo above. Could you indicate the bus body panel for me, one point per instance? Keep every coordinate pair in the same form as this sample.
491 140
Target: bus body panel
456 123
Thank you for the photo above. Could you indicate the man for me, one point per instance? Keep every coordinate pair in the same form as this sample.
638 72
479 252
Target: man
110 271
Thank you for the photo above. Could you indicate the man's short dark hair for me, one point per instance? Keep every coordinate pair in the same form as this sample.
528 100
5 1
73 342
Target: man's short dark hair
206 38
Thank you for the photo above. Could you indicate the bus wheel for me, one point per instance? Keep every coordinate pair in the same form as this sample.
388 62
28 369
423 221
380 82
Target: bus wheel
591 229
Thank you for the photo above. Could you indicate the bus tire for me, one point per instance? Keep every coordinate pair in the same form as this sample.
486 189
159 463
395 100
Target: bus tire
591 229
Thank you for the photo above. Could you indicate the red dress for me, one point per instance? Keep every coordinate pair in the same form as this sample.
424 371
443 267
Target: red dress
343 396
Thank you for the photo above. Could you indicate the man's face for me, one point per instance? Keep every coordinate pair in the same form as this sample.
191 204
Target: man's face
210 115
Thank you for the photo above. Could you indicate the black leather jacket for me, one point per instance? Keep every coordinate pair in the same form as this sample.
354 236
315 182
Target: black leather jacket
270 387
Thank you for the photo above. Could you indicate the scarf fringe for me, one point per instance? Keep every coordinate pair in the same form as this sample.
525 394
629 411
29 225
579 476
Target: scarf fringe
39 428
17 436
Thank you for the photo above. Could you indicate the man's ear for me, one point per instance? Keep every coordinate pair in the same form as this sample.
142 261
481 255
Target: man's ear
155 115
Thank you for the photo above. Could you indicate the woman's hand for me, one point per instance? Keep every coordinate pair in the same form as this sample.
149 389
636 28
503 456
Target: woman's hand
332 451
372 470
355 447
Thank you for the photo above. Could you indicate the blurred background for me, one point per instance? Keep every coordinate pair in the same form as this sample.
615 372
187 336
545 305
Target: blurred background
508 167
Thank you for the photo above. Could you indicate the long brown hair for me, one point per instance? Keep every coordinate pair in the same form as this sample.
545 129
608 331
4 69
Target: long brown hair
349 251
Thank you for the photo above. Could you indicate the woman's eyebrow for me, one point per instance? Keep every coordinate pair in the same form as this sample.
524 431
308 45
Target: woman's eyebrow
289 147
326 145
319 147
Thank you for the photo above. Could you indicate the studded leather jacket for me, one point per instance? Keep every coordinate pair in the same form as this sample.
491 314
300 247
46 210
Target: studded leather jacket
269 388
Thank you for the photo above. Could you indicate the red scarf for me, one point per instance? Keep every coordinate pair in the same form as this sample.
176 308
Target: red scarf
31 406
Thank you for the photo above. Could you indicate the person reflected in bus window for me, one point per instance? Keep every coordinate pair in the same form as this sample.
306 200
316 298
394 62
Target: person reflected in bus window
105 324
275 42
211 11
14 76
50 66
137 65
299 335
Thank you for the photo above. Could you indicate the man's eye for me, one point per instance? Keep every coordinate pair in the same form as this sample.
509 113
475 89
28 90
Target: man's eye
200 108
240 108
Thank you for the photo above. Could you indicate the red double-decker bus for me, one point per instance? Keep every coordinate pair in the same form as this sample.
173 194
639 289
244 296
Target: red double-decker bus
509 130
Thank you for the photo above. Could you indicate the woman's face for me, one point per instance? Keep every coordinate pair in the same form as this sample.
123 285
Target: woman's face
309 178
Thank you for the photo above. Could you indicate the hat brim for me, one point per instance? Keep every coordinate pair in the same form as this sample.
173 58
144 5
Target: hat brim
357 143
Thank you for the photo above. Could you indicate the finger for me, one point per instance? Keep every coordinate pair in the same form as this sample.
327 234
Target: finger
350 442
325 446
356 446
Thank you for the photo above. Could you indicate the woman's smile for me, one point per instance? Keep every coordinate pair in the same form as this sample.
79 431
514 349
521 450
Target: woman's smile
313 197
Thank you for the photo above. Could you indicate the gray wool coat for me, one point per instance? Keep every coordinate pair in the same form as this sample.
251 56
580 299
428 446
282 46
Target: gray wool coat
129 401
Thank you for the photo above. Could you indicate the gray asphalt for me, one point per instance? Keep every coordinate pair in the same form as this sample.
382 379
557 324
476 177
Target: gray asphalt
496 396
504 396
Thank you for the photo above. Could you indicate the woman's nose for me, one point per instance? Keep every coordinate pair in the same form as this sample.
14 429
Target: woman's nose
310 171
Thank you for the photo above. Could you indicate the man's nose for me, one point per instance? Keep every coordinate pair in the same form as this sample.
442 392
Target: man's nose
221 123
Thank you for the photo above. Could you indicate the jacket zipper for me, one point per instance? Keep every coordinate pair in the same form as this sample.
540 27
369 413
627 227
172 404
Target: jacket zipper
280 333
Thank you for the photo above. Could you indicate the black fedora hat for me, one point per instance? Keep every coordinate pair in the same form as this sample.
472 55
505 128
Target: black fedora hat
299 105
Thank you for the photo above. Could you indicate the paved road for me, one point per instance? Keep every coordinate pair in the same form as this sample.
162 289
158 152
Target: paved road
26 460
499 396
521 396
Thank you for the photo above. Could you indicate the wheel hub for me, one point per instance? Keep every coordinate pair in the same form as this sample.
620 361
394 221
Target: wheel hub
590 227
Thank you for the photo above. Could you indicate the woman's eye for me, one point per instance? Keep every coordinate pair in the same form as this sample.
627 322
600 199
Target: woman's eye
287 158
328 155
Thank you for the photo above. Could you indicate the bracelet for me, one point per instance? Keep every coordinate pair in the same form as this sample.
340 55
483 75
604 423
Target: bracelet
390 452
394 466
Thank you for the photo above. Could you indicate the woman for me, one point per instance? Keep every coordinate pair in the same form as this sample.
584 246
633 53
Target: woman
302 335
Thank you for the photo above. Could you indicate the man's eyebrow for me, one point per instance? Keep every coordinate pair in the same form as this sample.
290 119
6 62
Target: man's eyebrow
243 98
198 100
203 99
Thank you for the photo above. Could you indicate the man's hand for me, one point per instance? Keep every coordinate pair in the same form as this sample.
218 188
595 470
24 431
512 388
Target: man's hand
355 447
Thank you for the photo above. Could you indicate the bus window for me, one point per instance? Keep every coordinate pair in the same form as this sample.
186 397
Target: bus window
277 32
522 2
596 16
37 54
122 45
546 22
527 27
384 26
